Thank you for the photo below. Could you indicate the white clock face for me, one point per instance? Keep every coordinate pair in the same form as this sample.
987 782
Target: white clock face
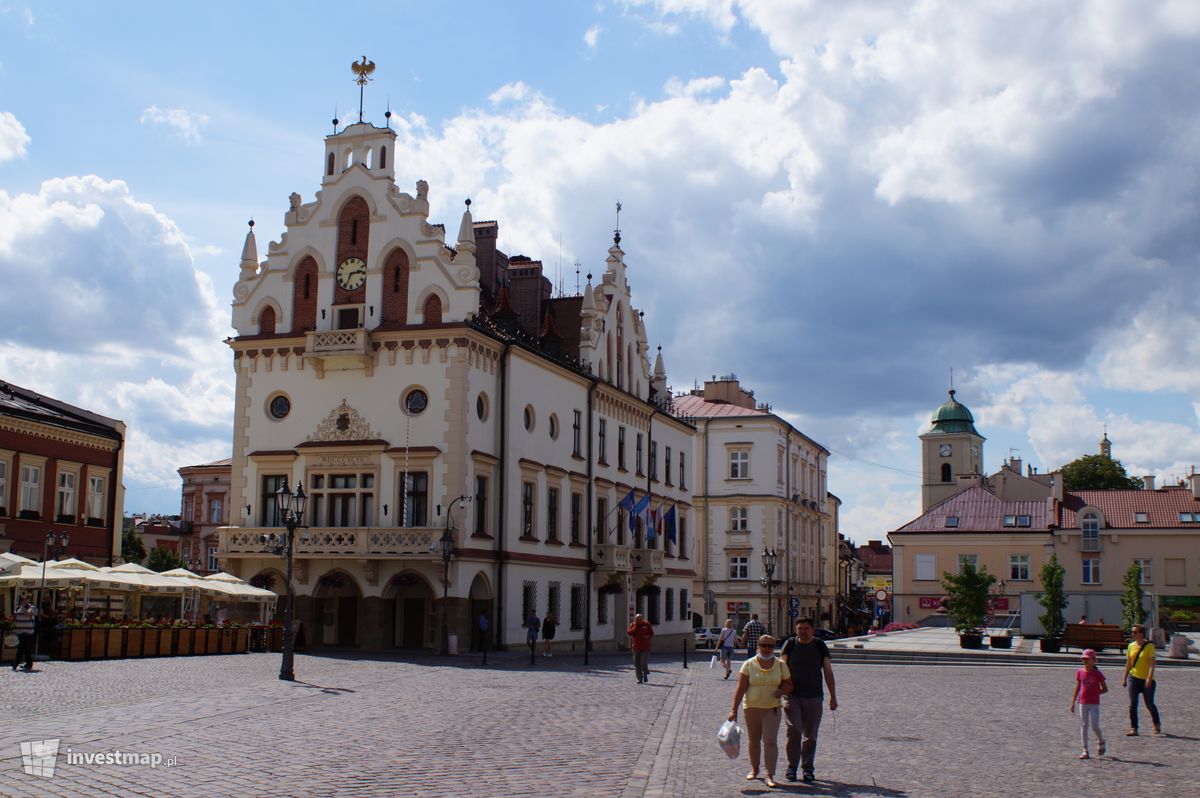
945 450
352 273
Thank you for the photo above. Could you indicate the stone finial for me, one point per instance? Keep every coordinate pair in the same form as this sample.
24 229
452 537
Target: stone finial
250 251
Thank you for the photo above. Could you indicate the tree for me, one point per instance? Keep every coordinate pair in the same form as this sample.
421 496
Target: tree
1097 472
1052 598
132 547
1132 610
163 559
967 597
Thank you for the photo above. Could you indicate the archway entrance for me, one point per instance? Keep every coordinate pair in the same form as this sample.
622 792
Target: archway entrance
481 601
412 605
336 599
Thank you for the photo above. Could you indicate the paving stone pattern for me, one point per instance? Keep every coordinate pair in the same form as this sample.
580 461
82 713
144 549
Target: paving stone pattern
364 727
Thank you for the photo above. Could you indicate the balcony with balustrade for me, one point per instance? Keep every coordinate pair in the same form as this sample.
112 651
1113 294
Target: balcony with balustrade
338 350
648 561
611 558
415 543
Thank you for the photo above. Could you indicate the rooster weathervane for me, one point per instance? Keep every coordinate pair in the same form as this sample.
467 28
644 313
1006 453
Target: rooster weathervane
363 69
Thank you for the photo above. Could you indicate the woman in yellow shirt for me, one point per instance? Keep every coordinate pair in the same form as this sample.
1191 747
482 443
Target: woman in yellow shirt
761 681
1138 679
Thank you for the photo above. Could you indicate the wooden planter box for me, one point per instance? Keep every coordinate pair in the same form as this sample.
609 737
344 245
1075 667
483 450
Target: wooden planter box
150 642
228 638
166 642
133 641
212 639
115 649
186 644
96 643
242 644
74 644
200 641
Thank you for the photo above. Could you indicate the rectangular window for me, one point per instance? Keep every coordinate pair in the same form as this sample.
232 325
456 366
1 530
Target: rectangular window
1018 567
601 608
31 489
95 498
621 448
1176 572
667 465
577 607
1010 520
653 459
268 511
952 521
415 499
481 506
739 465
602 456
637 454
968 558
576 517
527 510
603 524
4 486
1141 518
576 433
65 503
682 471
552 514
214 511
1147 571
1023 520
553 593
681 523
212 558
739 567
1091 571
684 609
528 599
1186 518
924 570
187 508
739 519
669 610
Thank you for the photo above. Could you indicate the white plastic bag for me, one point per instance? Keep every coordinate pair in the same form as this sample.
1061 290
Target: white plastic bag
729 737
712 663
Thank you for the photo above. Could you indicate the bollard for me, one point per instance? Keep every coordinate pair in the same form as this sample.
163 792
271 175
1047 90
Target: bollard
685 653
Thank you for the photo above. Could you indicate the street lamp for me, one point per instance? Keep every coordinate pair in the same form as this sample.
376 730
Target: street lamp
768 561
52 547
290 507
447 549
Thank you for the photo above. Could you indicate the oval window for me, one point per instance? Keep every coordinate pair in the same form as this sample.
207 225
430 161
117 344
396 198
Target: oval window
415 402
279 407
553 427
529 417
481 406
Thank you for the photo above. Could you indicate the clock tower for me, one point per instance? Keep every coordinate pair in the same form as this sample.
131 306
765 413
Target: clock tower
950 448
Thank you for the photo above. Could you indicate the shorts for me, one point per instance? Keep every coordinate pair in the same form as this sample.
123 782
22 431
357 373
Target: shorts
548 636
726 653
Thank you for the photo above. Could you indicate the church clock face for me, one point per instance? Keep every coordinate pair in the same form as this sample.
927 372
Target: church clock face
351 273
945 450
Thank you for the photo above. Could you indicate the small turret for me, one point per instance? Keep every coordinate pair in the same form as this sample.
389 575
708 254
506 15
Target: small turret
249 254
466 231
659 384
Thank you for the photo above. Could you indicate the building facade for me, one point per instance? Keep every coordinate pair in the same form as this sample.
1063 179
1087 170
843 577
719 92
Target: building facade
420 388
205 508
60 471
761 486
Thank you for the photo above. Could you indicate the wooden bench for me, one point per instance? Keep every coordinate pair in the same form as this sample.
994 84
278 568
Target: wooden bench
1097 636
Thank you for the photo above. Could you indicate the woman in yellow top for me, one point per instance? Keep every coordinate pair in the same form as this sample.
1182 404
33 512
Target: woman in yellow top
761 681
1139 679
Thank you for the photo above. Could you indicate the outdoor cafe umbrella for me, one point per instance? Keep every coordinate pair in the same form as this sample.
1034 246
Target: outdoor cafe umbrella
244 592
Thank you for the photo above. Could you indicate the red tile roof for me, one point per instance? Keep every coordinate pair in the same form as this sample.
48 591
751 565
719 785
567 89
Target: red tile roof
977 510
696 407
876 561
1162 507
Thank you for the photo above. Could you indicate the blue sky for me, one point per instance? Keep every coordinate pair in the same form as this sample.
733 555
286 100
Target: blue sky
838 201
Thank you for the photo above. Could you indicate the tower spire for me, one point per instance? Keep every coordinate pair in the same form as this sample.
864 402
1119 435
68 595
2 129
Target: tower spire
363 70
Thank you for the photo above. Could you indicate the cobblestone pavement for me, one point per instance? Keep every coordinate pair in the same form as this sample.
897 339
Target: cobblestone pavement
363 727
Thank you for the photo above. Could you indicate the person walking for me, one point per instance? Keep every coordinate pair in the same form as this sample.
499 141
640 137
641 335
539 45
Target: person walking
751 632
1089 686
25 628
640 632
761 681
725 643
549 624
1138 679
533 625
807 659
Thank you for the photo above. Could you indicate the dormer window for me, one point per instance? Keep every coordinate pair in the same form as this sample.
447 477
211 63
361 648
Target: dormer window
1188 518
1141 518
1010 520
952 521
1023 520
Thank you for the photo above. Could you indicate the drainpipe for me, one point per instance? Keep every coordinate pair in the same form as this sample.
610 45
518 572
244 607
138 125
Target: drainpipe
704 520
112 496
502 422
587 576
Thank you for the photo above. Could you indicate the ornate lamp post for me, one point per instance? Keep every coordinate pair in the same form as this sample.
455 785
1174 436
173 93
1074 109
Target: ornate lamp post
768 562
447 550
52 547
291 512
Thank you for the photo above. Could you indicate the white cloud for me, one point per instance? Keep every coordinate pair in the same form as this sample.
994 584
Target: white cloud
592 36
13 138
186 124
695 87
718 13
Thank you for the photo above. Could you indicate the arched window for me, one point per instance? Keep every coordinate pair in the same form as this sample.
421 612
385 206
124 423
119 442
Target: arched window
433 310
266 321
1091 524
329 164
304 298
383 157
395 295
945 472
370 159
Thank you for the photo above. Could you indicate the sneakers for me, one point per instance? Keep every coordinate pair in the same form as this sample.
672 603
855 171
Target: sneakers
791 774
808 776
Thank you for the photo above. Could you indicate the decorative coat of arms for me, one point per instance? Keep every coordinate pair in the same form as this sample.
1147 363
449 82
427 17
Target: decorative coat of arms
344 423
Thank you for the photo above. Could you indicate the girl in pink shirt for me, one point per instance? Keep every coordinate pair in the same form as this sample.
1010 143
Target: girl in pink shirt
1089 686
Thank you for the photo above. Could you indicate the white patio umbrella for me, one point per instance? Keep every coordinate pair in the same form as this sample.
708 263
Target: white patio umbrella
242 591
29 574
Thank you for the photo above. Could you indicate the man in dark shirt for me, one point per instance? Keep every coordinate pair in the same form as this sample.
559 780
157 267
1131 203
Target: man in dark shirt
808 660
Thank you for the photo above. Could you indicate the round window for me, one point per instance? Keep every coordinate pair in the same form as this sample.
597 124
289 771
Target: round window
415 402
481 406
279 407
553 427
529 417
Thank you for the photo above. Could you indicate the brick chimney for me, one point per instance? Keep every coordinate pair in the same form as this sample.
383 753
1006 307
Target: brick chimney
1194 478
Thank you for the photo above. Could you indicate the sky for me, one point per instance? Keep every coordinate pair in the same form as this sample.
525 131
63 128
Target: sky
842 203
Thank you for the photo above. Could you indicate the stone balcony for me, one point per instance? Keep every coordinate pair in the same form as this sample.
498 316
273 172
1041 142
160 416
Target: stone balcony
338 350
648 561
417 543
611 558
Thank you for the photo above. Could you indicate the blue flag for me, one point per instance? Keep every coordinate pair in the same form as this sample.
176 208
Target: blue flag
669 524
638 511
